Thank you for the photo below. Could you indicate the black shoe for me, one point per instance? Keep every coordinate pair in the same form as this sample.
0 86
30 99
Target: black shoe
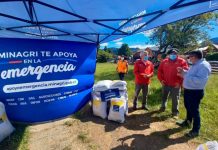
192 134
162 109
184 123
145 108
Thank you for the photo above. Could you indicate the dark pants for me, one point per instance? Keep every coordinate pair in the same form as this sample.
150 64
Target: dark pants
175 94
138 88
192 99
121 76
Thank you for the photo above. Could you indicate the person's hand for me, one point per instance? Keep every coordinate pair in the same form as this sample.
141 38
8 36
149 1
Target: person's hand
180 71
177 85
147 76
162 82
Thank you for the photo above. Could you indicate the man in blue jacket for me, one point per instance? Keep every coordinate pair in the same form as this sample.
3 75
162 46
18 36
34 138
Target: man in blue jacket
194 82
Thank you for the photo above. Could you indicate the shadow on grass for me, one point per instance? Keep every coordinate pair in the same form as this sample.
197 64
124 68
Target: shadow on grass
154 141
17 139
138 122
135 122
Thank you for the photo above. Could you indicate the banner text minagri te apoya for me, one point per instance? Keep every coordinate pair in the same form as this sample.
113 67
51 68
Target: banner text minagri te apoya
42 80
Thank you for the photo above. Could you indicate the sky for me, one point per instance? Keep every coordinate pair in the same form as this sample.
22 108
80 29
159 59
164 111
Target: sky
142 40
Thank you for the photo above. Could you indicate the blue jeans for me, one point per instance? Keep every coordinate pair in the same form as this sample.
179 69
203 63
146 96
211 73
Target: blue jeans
121 76
192 100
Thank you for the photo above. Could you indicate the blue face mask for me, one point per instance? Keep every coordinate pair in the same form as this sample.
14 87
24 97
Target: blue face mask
146 58
173 57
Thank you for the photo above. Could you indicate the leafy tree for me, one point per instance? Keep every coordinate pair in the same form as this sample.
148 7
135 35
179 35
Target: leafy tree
183 34
124 50
103 56
212 57
107 49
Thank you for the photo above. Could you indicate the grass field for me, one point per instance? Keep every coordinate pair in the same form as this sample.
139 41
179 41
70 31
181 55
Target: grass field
208 108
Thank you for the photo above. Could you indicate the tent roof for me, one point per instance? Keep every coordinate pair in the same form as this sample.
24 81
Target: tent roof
95 21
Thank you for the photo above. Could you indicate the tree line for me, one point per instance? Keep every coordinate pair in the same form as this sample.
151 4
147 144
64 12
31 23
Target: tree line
107 54
185 35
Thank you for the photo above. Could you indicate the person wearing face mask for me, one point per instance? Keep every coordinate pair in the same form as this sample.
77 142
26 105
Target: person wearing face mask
143 71
122 67
171 82
194 82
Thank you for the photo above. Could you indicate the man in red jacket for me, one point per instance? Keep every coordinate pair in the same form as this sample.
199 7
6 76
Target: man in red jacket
170 80
143 71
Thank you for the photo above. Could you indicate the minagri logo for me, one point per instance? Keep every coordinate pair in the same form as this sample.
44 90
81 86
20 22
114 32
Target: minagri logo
213 3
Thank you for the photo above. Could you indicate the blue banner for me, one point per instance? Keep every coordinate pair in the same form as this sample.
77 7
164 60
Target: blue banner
42 80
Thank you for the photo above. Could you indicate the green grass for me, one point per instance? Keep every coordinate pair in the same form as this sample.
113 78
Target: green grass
18 140
208 108
106 71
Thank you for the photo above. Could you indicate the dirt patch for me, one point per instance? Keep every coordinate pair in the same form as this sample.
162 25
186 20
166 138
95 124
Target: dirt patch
142 130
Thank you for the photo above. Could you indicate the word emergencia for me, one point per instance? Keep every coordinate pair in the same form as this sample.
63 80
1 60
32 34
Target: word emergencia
38 70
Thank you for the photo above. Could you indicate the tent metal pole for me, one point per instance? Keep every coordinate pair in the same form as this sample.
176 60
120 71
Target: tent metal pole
189 4
28 10
12 0
156 12
34 12
97 39
62 21
109 27
177 3
15 18
31 10
175 6
29 6
59 9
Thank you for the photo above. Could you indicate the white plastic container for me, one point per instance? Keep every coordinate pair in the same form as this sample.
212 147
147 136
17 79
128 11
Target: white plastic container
5 126
210 145
99 108
102 85
121 85
117 110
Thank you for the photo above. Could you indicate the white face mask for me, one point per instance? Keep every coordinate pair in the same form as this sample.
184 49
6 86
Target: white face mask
189 61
